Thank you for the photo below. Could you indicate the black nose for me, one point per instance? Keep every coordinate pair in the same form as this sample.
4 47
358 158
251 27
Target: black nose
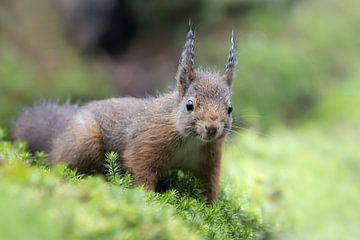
211 131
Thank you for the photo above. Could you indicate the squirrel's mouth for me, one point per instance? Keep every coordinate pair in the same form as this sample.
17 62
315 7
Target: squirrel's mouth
207 134
206 140
209 138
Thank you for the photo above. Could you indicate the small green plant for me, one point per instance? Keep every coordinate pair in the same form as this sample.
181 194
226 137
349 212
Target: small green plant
114 173
39 159
185 185
112 166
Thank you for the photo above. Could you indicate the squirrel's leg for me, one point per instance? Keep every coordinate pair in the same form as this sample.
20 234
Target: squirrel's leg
80 146
210 174
147 178
145 168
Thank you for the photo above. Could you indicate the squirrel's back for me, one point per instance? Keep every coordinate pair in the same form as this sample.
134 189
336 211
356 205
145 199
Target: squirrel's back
40 124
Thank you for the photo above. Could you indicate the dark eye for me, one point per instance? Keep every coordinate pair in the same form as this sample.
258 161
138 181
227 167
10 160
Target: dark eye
189 105
230 110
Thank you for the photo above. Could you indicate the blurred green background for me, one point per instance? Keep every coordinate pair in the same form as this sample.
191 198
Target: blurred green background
296 93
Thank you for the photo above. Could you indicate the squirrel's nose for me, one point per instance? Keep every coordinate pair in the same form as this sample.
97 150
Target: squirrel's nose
211 130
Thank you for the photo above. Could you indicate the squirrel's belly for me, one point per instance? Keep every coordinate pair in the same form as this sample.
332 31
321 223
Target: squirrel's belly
188 157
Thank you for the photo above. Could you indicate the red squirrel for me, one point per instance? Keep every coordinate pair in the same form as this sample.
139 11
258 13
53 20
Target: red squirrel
182 129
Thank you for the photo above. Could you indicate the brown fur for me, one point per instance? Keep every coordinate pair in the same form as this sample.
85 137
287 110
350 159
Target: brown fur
152 136
211 170
81 147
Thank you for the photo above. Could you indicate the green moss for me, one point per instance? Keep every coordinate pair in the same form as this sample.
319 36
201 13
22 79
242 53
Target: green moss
75 206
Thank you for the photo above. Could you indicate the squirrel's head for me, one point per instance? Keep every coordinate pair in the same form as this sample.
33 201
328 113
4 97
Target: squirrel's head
205 97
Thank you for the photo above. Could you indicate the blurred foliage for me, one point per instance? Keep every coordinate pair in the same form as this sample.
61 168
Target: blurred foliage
309 181
36 61
170 15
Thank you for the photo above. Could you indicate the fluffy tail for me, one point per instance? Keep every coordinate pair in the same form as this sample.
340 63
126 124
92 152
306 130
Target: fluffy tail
40 124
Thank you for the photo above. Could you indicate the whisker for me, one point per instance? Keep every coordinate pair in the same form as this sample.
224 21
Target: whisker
238 128
251 116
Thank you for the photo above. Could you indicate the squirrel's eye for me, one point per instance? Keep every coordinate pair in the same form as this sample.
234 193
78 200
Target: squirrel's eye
230 110
189 105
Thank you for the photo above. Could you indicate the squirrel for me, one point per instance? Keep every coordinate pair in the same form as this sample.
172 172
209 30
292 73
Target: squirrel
182 129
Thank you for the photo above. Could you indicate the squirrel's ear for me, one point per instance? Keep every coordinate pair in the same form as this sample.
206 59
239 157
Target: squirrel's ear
185 73
232 61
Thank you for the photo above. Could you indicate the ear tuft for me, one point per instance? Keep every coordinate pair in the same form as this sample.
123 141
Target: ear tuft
232 61
185 73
